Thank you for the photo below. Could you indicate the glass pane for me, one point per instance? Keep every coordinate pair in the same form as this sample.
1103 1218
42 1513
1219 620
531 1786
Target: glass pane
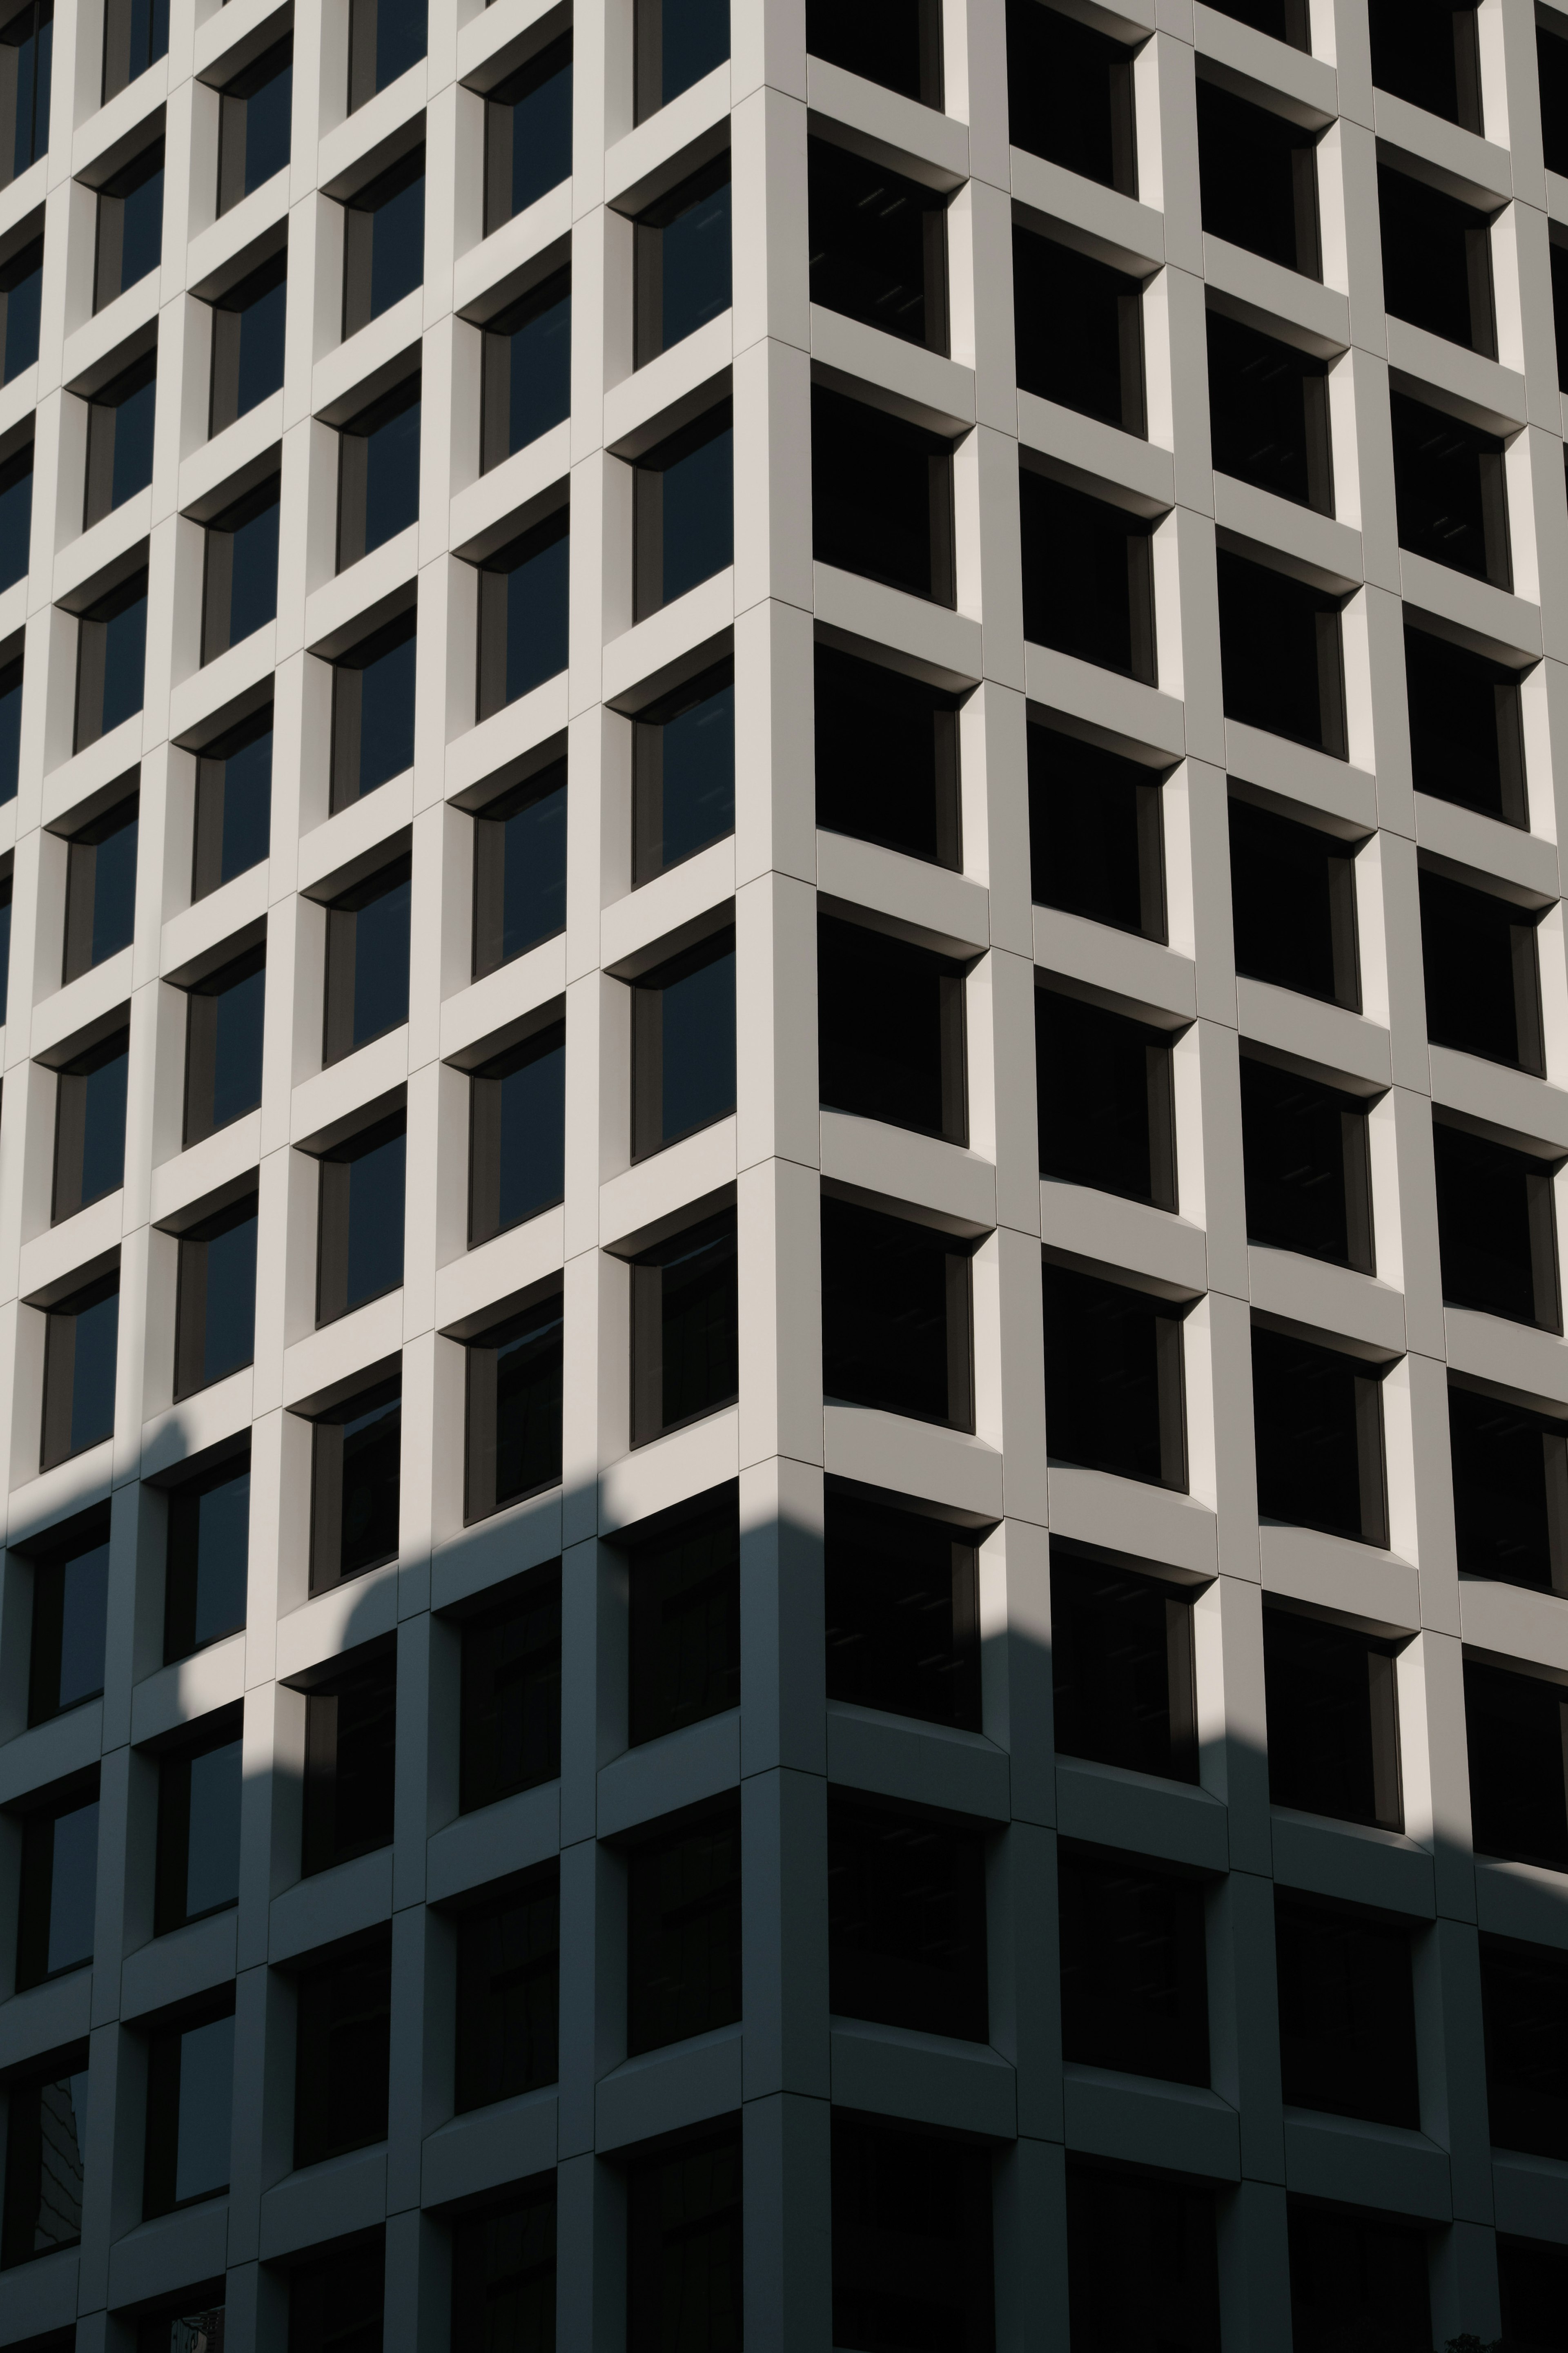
132 444
103 1128
212 1867
124 656
532 1137
114 866
73 1888
236 1078
230 1338
268 112
84 1610
699 1048
699 516
696 265
386 717
397 247
262 346
392 477
533 885
223 1557
539 386
381 961
376 1220
206 2097
142 230
254 598
93 1388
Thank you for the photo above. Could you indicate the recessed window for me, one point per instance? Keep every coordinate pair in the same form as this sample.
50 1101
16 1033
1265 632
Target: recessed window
520 869
887 758
513 1410
527 370
677 42
685 1625
1070 95
683 2205
26 48
215 1323
120 439
1089 576
248 342
11 676
256 111
1269 413
367 961
378 473
1317 1418
1171 2296
1292 898
683 1045
15 515
683 1928
71 1603
524 616
1510 1490
1096 834
5 944
1450 493
509 1993
239 590
1429 56
1133 1968
911 2230
877 245
46 2128
1122 1657
683 772
21 287
1496 1230
80 1355
208 1558
130 225
895 42
1524 2002
1078 330
685 1329
1307 1161
1533 2274
1105 1101
1481 960
111 657
685 511
1257 172
896 1316
1437 261
902 1613
340 2296
1467 727
683 260
190 2107
882 497
234 804
527 133
373 710
906 1919
356 1452
90 1126
386 37
1282 20
891 1030
199 1789
503 2270
1347 2014
1114 1393
517 1135
136 36
510 1711
343 2046
1551 65
360 1221
383 242
1516 1729
223 1018
58 1887
350 1750
1334 1720
101 889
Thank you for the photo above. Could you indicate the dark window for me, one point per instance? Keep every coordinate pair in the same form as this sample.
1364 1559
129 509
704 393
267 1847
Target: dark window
384 241
70 1601
101 889
1281 668
685 1329
120 439
373 710
248 342
1517 1730
890 1041
342 2048
677 42
895 42
136 36
1269 413
378 473
45 2124
335 2306
1134 1977
1467 735
1559 258
1347 2014
887 758
78 1371
1524 2000
386 37
1429 56
503 2273
912 2239
216 1316
1292 900
360 1242
1103 1097
198 1828
1533 2277
17 522
1089 576
520 869
683 772
1317 1416
1169 2296
683 1928
517 1135
4 942
523 617
684 529
1449 490
351 1753
683 1045
239 592
527 382
1497 1235
882 497
1510 1491
512 1693
253 126
902 1603
190 2107
111 645
59 1886
1304 1147
1479 953
906 1919
26 48
1551 65
682 261
896 1316
1282 20
1114 1396
509 1979
1070 95
21 277
1259 176
514 1409
354 1483
1437 261
1333 1721
1356 2276
1122 1657
683 2207
1078 330
685 1625
208 1560
224 1016
367 961
234 805
130 225
90 1126
877 245
527 133
1096 834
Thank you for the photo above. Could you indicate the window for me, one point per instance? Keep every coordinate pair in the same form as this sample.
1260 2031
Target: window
1269 413
1280 661
677 42
79 1354
136 36
1104 1101
1525 2001
367 961
684 511
520 869
248 342
1078 330
373 710
1483 979
15 515
378 472
1121 1656
351 1754
355 1484
1334 1720
683 772
1517 1730
70 1601
1282 20
90 1126
878 245
1089 576
21 285
239 591
517 1135
523 613
1114 1398
386 37
527 382
527 133
198 1826
383 242
254 123
503 2272
58 1888
224 1016
27 47
361 1218
1259 178
1134 1978
1558 255
1429 56
190 2107
1437 261
882 497
10 772
685 1329
5 944
1317 1416
1347 2014
1292 899
208 1560
101 889
1510 1490
891 1030
1096 834
130 225
45 2126
343 2051
1533 2277
1308 1168
509 1996
895 42
1449 492
887 758
1467 729
335 2306
911 2238
683 2206
896 1316
902 1608
906 1919
683 1928
1171 2297
684 1650
112 643
514 1409
234 805
214 1321
510 1713
683 260
120 439
1070 95
1497 1235
1551 64
683 1045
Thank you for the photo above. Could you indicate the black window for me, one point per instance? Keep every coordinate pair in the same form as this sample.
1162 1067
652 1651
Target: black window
1308 1169
682 261
359 1249
527 133
684 513
1524 2000
1497 1235
1437 261
504 2272
1089 576
373 710
214 1320
335 2306
384 241
1449 492
26 48
677 42
45 2127
1532 2275
1070 95
1334 1720
1317 1418
239 588
16 518
911 2238
1551 65
517 1135
1347 2014
1510 1490
1096 834
342 2048
355 1484
248 342
1078 330
59 1886
878 244
683 1044
1517 1730
4 942
895 42
1122 1658
897 1316
683 2206
882 497
683 772
351 1752
510 1737
10 766
22 277
1292 901
1104 1101
120 439
1259 177
198 1826
136 36
906 1919
234 803
902 1613
891 1030
1466 733
520 869
89 1125
70 1601
527 382
254 124
1282 20
386 37
683 1928
367 961
685 1328
208 1558
514 1409
130 225
79 1354
1356 2271
1269 413
685 1625
1114 1398
101 889
1281 666
111 645
223 1017
1170 2295
887 758
523 614
190 2107
1429 56
378 472
1134 1977
509 1996
1479 956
